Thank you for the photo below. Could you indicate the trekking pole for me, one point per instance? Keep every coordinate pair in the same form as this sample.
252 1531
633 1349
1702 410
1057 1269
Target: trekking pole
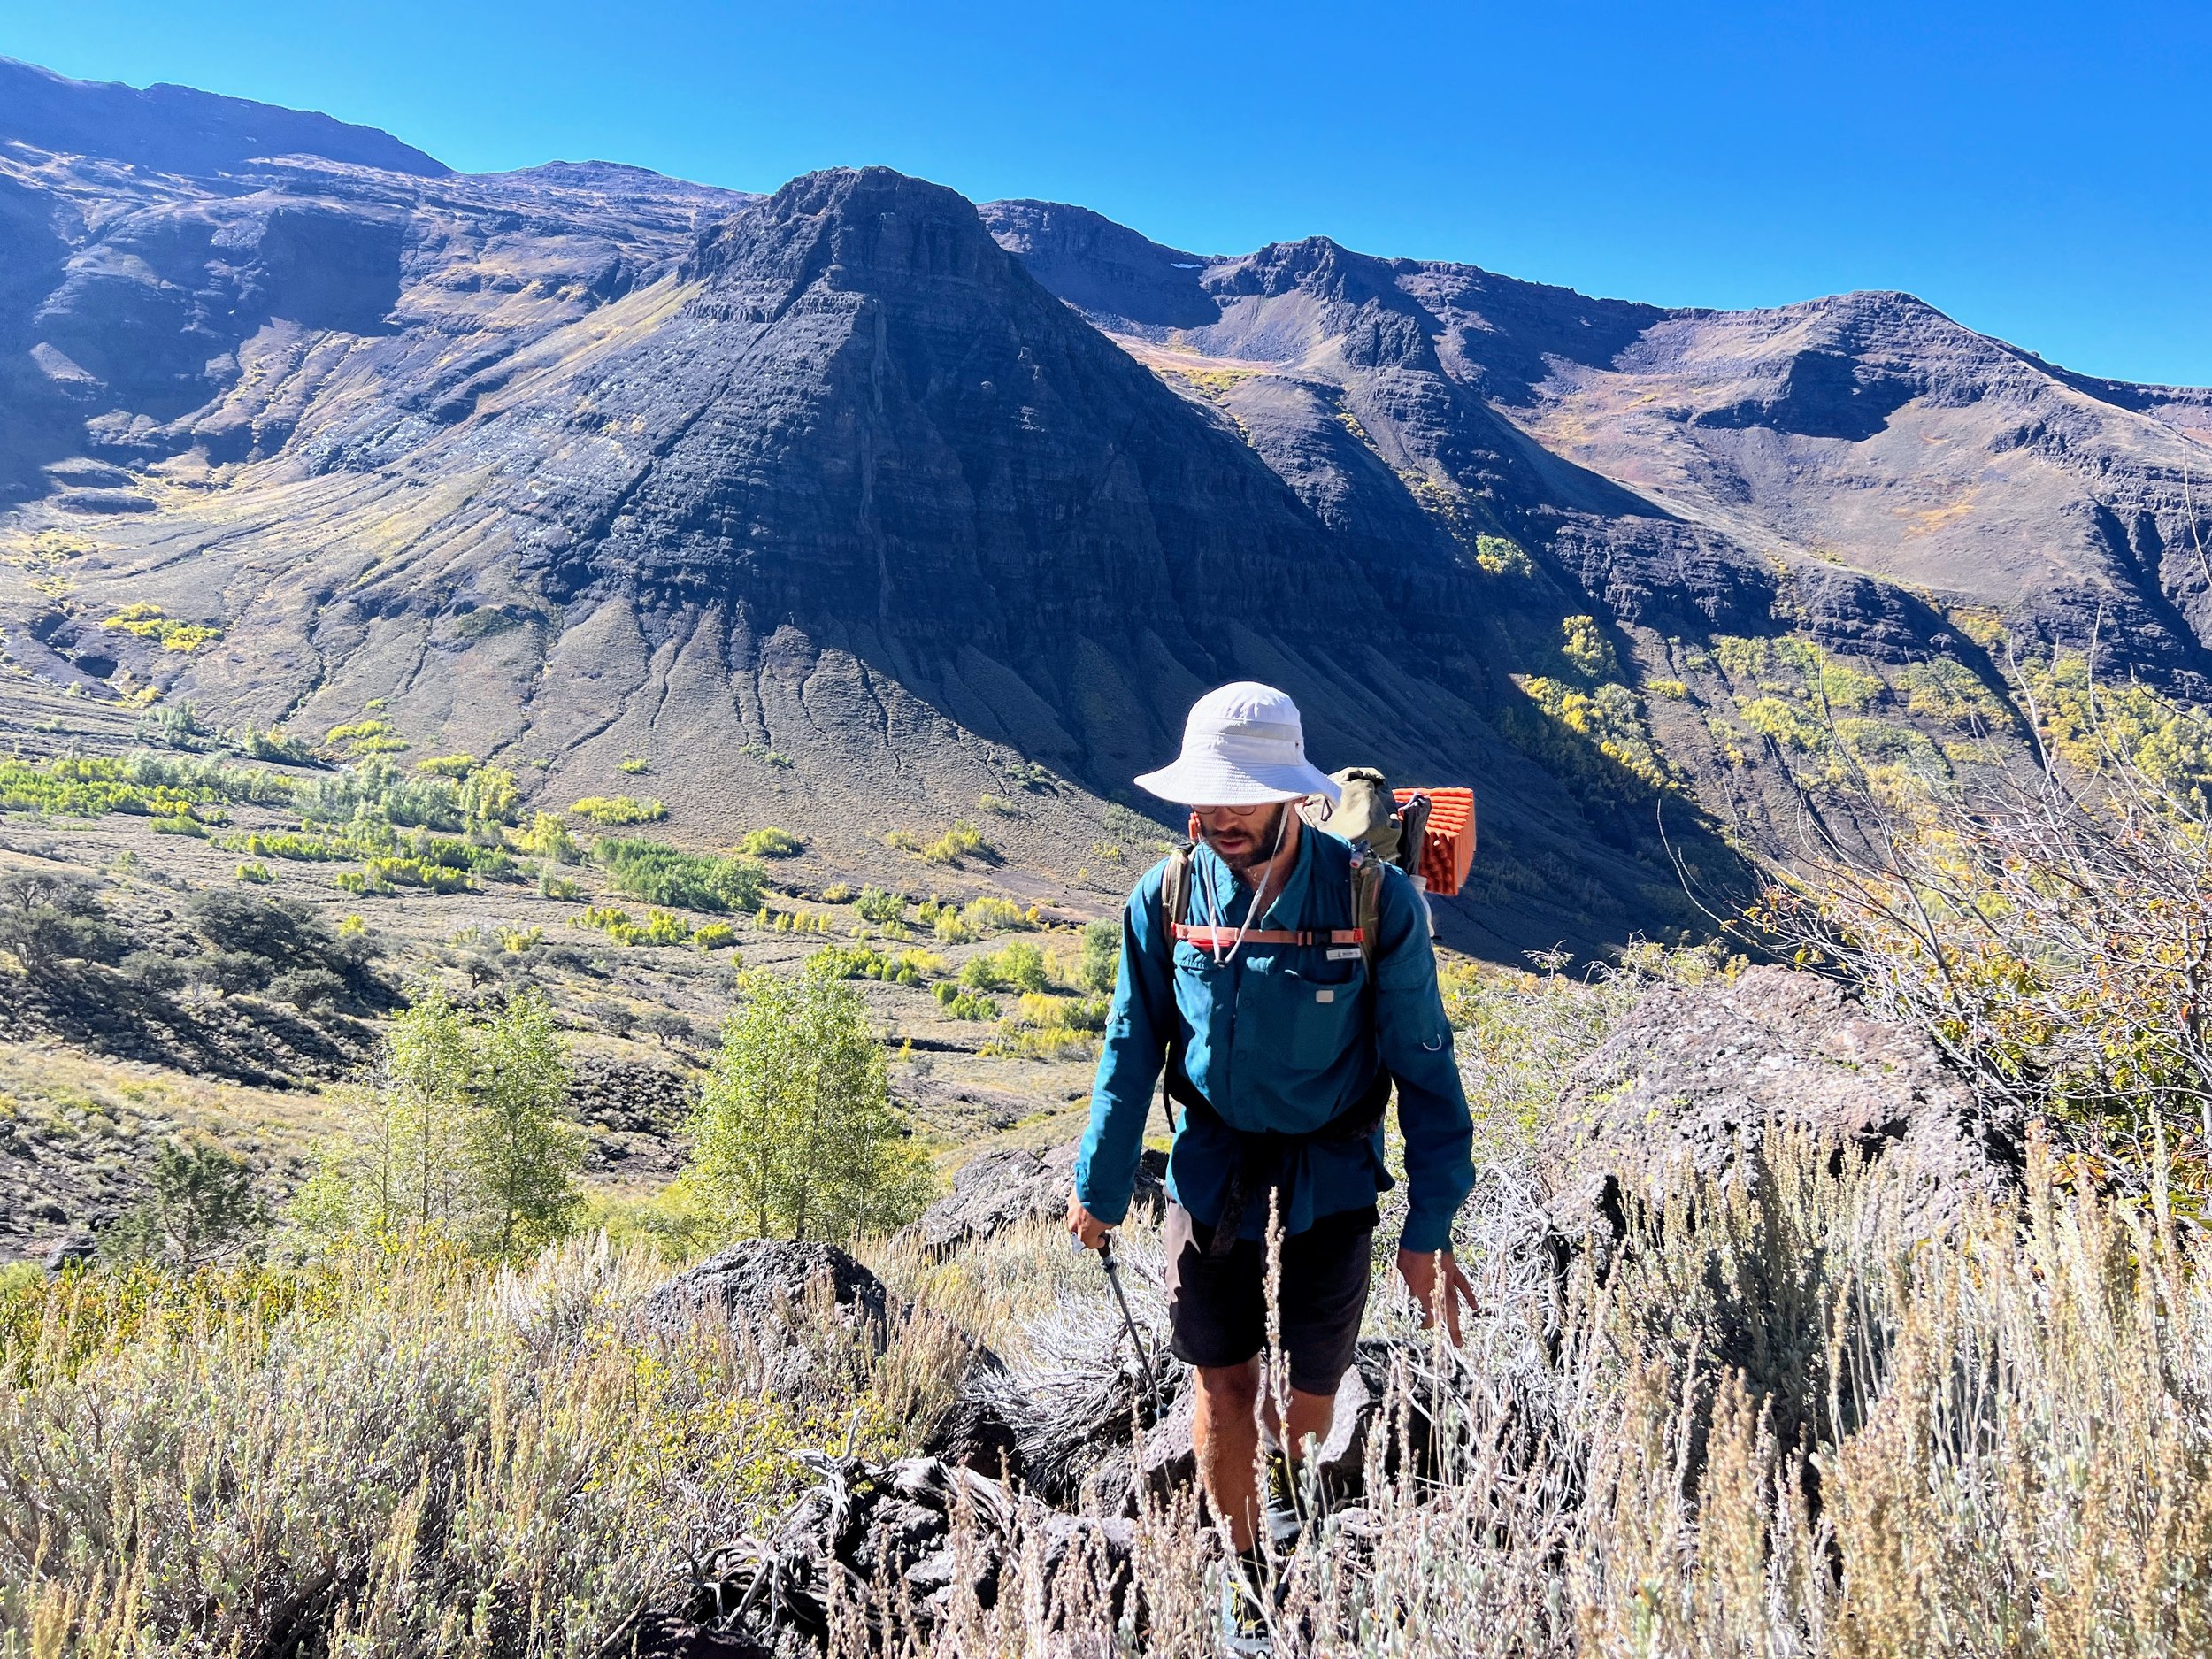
1128 1319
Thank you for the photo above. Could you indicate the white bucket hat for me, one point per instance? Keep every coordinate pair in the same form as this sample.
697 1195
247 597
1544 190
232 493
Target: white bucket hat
1243 745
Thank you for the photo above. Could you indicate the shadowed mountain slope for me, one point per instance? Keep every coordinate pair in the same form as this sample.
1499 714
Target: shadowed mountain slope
829 505
1866 433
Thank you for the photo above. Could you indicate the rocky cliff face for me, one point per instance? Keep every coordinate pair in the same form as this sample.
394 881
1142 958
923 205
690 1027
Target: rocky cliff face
1861 436
849 506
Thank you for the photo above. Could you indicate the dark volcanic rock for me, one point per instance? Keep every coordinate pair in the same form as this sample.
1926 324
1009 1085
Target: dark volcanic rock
762 1283
1699 1077
1003 1188
900 1523
71 1251
673 1636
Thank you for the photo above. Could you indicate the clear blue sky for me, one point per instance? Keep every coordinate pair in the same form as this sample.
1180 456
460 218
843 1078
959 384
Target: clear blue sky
2037 170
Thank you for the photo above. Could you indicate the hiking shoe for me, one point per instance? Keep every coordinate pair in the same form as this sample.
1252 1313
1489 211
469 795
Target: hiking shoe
1244 1606
1280 1508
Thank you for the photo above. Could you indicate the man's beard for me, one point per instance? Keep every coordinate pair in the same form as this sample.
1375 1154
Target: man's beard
1260 846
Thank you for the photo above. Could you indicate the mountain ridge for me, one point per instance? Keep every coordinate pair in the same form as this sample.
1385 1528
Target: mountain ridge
189 131
859 503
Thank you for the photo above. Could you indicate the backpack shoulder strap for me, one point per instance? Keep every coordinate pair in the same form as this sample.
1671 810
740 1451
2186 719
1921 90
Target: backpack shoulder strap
1175 891
1367 880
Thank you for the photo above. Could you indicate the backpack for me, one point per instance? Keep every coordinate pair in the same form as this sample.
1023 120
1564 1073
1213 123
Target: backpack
1429 832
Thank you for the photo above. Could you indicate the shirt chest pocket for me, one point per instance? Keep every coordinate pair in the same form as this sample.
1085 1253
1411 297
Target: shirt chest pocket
1311 1016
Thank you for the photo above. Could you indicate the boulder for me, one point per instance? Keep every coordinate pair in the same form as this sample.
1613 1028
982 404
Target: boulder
888 1523
761 1283
1698 1076
73 1251
1004 1187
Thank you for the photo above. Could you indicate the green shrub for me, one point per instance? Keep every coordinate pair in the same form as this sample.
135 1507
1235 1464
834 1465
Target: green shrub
200 1206
1100 961
864 962
769 843
549 837
414 872
275 744
659 927
484 858
47 918
1501 556
661 874
489 794
280 949
965 1004
377 792
713 935
286 844
633 764
149 622
255 870
989 915
1607 718
1583 643
1019 966
1080 1015
449 765
144 784
962 841
880 906
1785 723
617 810
363 738
554 886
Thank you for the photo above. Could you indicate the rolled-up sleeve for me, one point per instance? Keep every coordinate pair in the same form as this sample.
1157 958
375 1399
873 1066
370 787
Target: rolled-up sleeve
1130 1057
1415 1041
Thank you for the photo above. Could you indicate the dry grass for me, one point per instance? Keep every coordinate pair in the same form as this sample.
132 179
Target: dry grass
405 1452
1776 1418
1770 1421
1779 1425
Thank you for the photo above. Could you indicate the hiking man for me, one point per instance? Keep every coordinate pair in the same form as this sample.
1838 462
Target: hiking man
1283 1015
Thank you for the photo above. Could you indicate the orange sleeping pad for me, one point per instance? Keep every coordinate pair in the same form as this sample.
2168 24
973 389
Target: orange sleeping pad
1447 840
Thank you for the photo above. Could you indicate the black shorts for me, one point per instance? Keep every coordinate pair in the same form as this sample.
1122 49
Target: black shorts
1216 1305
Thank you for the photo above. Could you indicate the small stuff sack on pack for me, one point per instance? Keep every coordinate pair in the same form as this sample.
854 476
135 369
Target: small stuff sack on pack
1428 833
1367 813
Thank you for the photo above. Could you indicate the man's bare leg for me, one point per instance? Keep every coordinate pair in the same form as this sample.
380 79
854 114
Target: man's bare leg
1225 1435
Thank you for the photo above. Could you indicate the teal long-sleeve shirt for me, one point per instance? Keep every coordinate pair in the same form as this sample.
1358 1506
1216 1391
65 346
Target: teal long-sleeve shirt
1281 1038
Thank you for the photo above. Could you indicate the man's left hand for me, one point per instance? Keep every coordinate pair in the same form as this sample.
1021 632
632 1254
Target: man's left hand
1423 1272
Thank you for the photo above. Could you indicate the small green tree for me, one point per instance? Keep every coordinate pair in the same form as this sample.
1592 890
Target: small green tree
524 1154
200 1206
417 1136
466 1131
794 1132
47 918
1101 956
